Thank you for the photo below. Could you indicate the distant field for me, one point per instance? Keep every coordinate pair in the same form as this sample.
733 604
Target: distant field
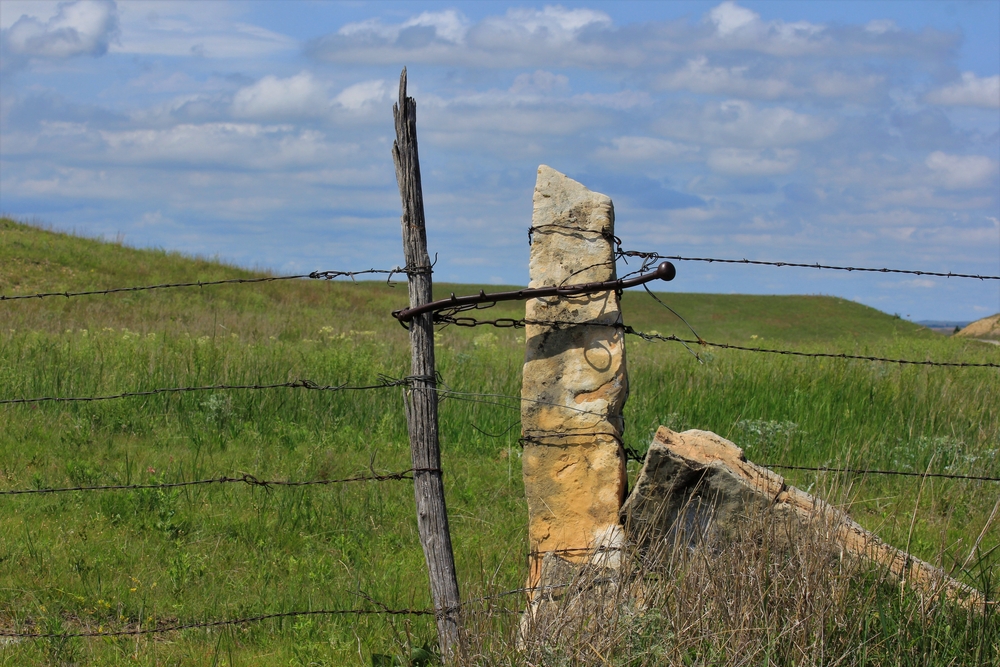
119 558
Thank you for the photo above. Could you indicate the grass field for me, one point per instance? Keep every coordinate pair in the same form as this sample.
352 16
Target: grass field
116 559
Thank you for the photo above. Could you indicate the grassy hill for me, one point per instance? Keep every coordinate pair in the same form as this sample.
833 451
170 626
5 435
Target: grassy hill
127 559
35 260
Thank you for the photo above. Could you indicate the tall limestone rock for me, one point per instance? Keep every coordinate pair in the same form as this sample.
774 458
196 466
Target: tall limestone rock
574 384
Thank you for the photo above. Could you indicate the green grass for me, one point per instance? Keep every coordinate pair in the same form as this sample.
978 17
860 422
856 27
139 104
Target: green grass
117 558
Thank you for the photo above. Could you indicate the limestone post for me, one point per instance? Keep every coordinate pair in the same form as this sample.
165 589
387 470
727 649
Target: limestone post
574 383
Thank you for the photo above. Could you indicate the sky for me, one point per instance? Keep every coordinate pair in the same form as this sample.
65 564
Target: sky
852 133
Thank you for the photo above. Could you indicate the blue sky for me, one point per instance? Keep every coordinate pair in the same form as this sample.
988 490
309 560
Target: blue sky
864 133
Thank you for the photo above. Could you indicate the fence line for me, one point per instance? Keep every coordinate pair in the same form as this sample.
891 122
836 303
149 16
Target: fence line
755 262
384 382
315 275
246 478
510 322
215 624
866 471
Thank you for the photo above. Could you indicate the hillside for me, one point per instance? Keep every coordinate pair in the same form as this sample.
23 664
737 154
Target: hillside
116 560
38 260
987 328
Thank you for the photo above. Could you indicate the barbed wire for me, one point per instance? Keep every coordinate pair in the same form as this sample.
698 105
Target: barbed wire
214 624
866 471
823 355
509 322
754 262
315 275
245 478
383 383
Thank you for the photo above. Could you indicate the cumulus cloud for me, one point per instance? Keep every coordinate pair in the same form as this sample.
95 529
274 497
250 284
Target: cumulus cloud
230 145
699 76
540 82
961 172
298 96
645 149
970 91
744 162
364 94
738 123
521 37
85 27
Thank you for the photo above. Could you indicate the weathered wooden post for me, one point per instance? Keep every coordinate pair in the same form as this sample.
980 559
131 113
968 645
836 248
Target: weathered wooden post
574 385
421 396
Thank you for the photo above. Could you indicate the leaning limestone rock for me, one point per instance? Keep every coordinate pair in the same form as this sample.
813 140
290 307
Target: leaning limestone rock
574 384
697 486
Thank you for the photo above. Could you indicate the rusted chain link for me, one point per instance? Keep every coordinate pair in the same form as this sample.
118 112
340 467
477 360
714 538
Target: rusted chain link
384 382
754 262
246 478
315 275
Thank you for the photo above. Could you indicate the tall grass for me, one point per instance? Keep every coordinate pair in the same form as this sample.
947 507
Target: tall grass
119 559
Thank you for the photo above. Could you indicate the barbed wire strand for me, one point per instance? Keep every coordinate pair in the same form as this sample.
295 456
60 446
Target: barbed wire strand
754 262
823 355
866 471
507 322
383 383
245 478
315 275
214 624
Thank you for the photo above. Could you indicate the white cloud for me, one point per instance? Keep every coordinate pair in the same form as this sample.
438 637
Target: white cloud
960 172
547 37
551 24
298 96
236 145
644 149
838 84
740 28
449 26
741 124
202 29
971 91
743 162
363 94
730 17
700 77
85 27
881 26
541 82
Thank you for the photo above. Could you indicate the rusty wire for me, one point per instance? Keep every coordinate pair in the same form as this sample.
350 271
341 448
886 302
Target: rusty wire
214 624
315 275
507 322
754 262
866 471
245 478
383 383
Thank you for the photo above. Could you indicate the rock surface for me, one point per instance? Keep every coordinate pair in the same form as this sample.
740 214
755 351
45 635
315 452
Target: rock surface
697 486
574 382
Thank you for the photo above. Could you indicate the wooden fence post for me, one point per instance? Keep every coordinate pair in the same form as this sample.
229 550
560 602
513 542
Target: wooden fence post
421 396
